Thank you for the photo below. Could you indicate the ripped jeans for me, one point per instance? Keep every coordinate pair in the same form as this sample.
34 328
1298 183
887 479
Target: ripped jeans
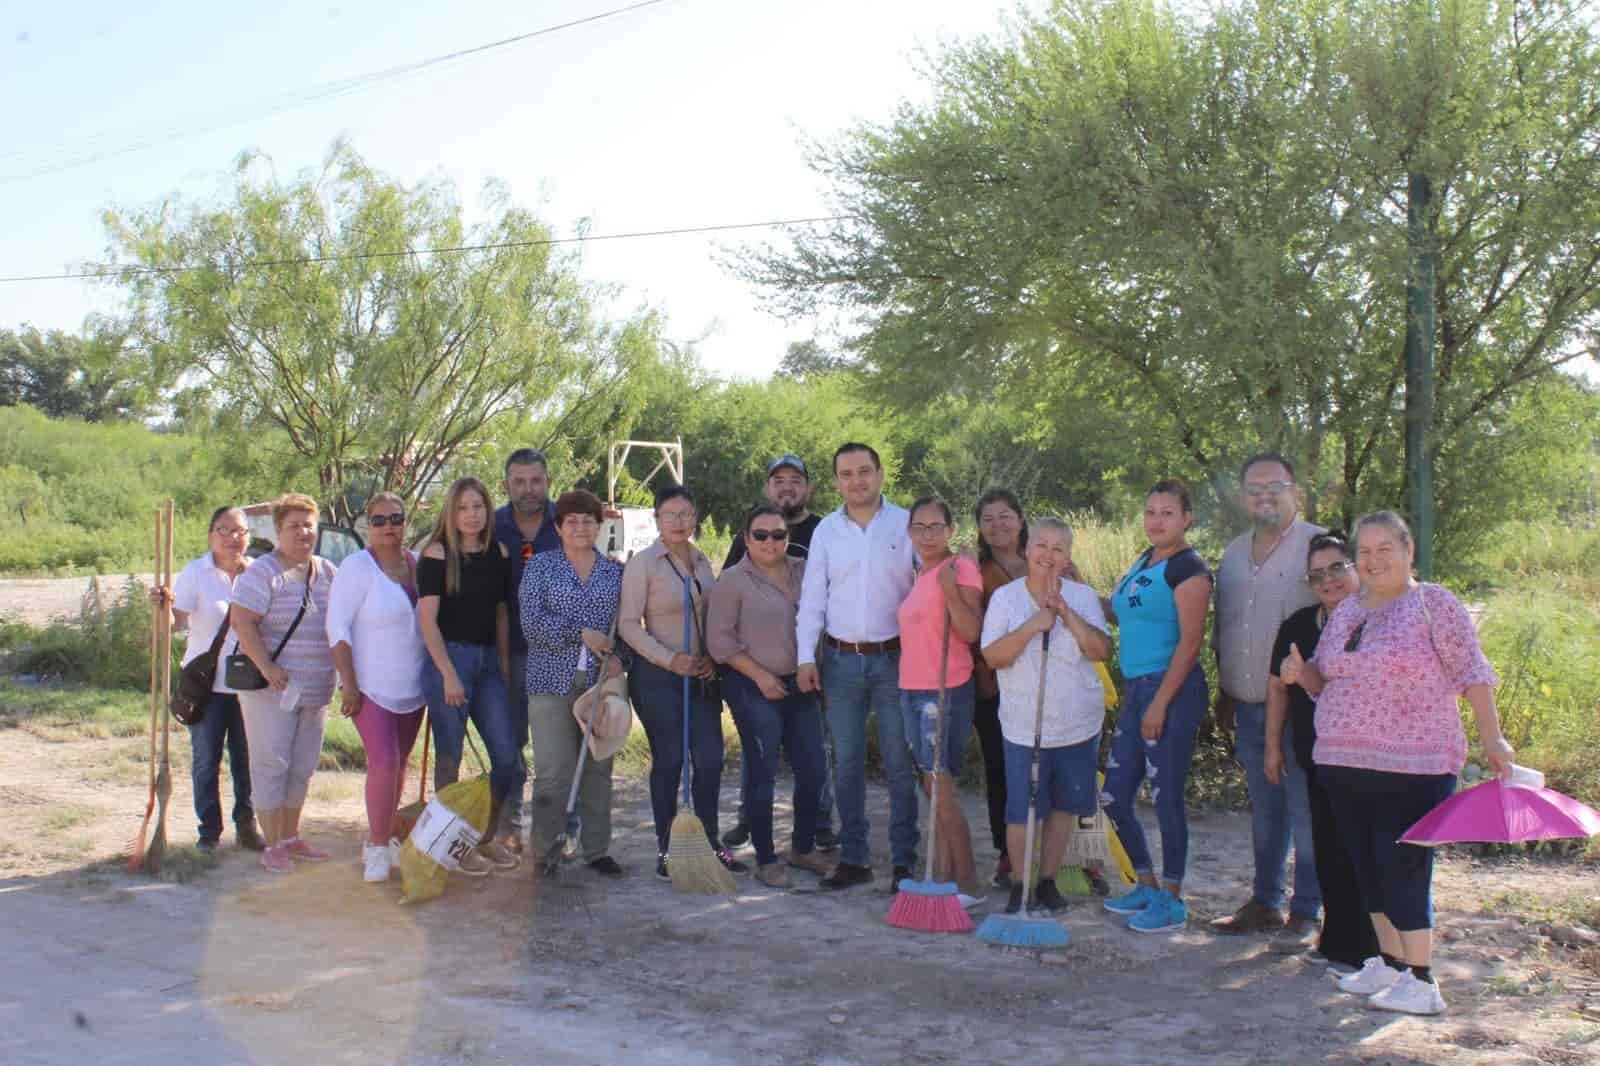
1165 762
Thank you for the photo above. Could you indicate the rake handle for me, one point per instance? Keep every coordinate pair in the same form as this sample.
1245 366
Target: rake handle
938 741
1033 774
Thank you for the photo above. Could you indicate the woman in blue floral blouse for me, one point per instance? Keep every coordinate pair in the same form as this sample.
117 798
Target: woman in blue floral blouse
568 600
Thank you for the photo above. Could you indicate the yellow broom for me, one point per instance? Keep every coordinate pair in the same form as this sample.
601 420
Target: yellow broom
691 863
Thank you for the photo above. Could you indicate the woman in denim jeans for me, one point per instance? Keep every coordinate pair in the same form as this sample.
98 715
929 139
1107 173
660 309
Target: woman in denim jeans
750 628
1160 606
461 610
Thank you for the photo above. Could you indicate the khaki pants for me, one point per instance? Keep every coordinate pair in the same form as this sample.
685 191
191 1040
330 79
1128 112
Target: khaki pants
556 737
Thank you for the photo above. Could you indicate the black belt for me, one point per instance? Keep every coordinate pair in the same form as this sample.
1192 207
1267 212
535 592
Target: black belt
864 647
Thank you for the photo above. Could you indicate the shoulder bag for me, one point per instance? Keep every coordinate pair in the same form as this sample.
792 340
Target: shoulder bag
240 673
196 678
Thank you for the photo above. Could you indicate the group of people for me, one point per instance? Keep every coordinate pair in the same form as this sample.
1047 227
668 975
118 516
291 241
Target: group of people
1338 673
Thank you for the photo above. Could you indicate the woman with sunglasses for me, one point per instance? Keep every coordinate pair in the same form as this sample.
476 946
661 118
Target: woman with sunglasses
750 628
1347 936
1391 665
377 649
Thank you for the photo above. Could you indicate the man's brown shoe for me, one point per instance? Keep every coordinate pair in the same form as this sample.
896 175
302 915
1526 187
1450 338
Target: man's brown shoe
773 875
810 860
1298 934
1253 917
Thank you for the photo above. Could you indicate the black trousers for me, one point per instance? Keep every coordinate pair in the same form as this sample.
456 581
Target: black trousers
986 722
1347 933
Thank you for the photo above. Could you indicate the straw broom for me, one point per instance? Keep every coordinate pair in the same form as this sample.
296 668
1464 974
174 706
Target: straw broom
691 864
931 906
163 788
1018 930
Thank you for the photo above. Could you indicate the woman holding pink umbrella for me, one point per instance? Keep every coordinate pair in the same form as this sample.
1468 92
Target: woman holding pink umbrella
1391 665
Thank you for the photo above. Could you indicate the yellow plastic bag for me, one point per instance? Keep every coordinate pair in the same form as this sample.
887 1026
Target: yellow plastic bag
450 825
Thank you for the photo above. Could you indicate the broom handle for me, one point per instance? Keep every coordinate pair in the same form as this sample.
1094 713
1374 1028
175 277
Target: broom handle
688 608
1033 774
938 738
588 725
156 613
166 633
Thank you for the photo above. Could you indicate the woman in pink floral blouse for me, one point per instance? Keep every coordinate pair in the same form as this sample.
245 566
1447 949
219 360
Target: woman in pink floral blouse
1390 667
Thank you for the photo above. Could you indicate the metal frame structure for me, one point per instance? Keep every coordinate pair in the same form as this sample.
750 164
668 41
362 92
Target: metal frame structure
617 458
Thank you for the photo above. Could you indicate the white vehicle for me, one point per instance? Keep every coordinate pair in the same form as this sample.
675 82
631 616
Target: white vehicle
632 529
334 543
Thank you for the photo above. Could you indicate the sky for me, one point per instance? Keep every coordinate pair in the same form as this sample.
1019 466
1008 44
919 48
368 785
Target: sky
683 113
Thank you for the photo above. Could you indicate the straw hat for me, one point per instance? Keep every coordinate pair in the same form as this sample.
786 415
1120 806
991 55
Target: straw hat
609 699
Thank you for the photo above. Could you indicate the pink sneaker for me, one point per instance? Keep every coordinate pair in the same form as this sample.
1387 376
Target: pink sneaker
299 849
276 860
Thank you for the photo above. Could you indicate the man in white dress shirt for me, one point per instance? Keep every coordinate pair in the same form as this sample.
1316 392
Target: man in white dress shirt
859 569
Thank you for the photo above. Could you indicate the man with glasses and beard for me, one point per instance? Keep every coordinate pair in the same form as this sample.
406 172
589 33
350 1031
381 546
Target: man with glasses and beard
789 490
525 526
1261 582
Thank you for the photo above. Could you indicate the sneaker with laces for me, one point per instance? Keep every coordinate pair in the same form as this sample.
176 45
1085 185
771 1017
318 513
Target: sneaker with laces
1048 896
304 850
1374 976
376 859
497 855
970 903
1164 913
1409 994
1014 899
661 866
1132 902
275 859
729 863
473 864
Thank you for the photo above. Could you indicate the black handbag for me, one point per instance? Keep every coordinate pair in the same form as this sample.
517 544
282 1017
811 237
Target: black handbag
240 673
195 681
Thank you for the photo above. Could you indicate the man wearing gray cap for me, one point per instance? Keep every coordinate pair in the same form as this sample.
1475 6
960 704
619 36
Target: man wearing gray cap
789 490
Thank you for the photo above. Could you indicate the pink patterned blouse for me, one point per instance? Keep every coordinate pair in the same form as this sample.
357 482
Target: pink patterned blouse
1391 704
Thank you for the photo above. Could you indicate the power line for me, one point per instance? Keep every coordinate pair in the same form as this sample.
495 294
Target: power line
110 272
135 141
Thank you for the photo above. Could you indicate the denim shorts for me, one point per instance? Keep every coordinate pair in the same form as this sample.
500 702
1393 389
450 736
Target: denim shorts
919 712
1067 779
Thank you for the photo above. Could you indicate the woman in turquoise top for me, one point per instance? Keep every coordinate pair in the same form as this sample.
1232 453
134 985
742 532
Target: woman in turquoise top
1160 608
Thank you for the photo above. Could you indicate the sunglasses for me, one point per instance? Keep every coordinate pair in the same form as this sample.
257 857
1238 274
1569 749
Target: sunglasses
1355 638
378 521
764 535
1331 572
1256 488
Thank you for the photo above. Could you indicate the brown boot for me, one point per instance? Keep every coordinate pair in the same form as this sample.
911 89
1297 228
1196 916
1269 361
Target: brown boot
773 875
1253 917
810 860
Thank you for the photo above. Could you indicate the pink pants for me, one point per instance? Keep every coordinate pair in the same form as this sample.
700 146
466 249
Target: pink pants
388 738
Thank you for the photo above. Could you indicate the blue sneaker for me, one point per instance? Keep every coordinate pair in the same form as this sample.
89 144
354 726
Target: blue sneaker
1166 912
1132 902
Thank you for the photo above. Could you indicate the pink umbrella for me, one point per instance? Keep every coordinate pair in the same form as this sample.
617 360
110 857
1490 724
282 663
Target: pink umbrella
1498 812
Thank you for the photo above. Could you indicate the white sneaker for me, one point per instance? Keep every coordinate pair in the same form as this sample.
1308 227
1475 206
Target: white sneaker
377 863
1374 976
969 902
1410 995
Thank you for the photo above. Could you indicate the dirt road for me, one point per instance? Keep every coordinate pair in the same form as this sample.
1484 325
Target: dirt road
316 967
39 601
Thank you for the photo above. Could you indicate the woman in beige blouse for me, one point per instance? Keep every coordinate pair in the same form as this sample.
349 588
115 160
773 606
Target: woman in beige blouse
750 628
658 584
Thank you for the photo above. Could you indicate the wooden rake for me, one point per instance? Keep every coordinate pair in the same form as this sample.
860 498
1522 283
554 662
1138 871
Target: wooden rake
149 857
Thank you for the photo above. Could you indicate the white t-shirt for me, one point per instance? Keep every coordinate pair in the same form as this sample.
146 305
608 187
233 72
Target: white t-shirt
373 614
202 590
1074 707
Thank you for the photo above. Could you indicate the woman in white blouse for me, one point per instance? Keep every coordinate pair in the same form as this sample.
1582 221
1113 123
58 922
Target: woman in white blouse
199 600
377 649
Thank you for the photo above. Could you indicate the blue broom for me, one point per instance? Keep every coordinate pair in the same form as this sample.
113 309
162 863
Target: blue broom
1018 930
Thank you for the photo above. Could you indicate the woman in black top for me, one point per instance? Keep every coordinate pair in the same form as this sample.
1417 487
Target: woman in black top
461 610
1347 934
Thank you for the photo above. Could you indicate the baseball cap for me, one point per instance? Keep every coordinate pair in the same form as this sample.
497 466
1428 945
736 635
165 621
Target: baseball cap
788 460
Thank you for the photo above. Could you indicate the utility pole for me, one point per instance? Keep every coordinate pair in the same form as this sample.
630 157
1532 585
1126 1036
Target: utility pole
1419 367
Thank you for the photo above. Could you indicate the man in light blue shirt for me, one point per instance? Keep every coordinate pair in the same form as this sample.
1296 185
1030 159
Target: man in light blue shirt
859 569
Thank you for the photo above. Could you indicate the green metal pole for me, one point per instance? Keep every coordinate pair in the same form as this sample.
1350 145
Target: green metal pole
1419 368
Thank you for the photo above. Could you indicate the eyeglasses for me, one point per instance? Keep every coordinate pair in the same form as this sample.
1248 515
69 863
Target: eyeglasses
676 517
927 529
1355 638
1331 572
764 535
378 521
230 531
1272 488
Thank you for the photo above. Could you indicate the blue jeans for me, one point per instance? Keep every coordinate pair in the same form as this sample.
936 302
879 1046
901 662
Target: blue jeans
478 667
657 696
824 797
1165 761
854 686
222 726
919 713
517 703
1278 814
795 724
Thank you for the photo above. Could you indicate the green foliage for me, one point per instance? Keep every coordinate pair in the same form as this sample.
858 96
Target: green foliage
378 364
1191 220
96 377
108 646
77 497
